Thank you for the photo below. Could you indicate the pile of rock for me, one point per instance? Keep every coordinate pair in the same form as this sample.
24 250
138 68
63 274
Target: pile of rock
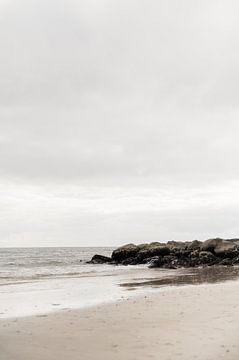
174 254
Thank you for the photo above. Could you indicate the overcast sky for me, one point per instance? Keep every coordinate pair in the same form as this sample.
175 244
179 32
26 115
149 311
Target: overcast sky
119 121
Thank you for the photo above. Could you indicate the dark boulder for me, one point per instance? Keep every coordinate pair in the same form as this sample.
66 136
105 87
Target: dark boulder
124 252
155 262
147 260
210 244
166 262
152 250
194 259
235 261
226 262
100 259
129 261
194 245
159 250
142 246
227 249
206 257
170 262
142 255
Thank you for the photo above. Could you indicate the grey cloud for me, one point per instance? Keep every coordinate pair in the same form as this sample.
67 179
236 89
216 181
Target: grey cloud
57 52
75 149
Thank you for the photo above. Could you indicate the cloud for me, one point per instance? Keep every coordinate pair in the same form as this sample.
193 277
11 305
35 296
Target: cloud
91 216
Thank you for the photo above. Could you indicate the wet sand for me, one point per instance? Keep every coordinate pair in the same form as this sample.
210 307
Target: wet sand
180 277
186 322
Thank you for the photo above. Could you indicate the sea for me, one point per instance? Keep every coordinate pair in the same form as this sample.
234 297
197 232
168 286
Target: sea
22 265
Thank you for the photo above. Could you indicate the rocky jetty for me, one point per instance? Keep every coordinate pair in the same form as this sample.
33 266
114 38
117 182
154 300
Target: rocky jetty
174 254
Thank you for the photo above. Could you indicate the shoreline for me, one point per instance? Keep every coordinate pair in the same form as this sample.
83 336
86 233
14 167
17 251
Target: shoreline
47 296
190 322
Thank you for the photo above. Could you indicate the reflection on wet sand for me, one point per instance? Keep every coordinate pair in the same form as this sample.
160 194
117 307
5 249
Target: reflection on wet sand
214 274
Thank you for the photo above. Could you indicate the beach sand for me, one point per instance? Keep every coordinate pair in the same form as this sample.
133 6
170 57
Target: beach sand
187 322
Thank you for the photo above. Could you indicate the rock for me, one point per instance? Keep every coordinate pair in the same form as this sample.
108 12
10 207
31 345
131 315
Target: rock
194 258
227 249
155 262
235 261
226 262
154 244
176 245
100 259
166 262
142 246
159 250
153 249
195 245
175 254
206 257
142 255
210 244
146 261
129 261
170 262
125 252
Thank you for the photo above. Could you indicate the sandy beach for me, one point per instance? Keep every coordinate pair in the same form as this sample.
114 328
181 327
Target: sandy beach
187 322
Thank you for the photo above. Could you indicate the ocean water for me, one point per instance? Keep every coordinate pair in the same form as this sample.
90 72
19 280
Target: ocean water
21 265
